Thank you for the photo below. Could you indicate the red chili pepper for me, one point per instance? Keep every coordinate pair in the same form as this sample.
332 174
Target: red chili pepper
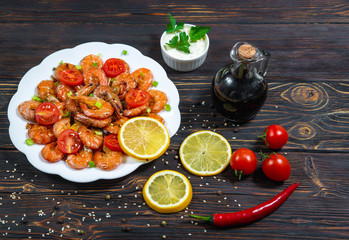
249 215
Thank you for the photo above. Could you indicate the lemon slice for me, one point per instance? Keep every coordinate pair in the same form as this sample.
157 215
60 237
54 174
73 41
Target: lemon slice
205 153
144 138
167 191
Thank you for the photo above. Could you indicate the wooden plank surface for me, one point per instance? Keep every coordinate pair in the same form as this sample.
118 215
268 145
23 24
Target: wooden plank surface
308 94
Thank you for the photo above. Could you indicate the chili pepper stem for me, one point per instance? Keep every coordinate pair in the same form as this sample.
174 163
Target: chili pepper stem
204 218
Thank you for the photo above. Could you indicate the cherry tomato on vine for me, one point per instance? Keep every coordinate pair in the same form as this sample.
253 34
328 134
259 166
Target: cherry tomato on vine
136 98
47 113
112 142
71 77
68 141
113 67
275 136
276 167
243 161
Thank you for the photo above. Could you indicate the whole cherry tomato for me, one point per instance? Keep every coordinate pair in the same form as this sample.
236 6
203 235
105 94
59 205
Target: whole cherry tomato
112 142
68 141
275 136
113 67
243 161
276 167
136 98
47 113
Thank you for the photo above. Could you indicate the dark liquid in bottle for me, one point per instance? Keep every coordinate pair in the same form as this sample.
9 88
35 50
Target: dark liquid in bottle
239 100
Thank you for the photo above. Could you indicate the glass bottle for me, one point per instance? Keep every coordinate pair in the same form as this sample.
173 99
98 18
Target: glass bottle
239 89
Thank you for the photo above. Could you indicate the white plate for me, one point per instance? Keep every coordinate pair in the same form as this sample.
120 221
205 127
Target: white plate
27 88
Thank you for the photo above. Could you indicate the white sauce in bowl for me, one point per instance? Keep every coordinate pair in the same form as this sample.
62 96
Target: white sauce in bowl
196 48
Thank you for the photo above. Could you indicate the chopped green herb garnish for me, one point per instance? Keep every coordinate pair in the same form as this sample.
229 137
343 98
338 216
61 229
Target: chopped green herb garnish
172 26
61 62
196 33
69 94
155 84
124 52
142 74
95 64
29 142
99 54
54 69
98 104
99 132
36 98
67 114
148 110
111 124
56 83
91 95
168 107
91 164
112 80
78 67
181 43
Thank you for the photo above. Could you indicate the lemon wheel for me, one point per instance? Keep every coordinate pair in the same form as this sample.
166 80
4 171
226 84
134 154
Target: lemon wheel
144 138
205 153
167 191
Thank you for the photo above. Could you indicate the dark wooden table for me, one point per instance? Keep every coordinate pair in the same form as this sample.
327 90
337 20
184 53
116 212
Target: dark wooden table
308 95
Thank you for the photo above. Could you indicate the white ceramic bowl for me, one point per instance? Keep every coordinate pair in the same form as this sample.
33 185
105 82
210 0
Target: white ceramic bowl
180 64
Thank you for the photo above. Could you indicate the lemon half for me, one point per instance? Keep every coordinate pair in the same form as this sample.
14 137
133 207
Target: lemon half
167 191
144 138
205 153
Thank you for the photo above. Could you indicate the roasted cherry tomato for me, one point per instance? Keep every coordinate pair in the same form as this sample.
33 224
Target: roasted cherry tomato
71 77
113 67
46 113
243 161
136 98
275 136
112 142
276 167
68 141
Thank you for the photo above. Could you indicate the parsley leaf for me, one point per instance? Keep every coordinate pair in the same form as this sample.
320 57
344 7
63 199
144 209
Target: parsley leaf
197 33
172 27
181 43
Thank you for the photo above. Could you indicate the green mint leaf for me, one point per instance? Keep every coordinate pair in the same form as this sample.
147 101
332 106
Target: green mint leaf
179 26
172 27
197 33
173 42
183 42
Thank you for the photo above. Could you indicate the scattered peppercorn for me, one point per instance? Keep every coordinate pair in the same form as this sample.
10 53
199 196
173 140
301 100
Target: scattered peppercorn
214 125
163 237
107 197
56 207
219 192
126 229
60 221
123 220
81 232
235 130
204 125
24 221
211 105
163 224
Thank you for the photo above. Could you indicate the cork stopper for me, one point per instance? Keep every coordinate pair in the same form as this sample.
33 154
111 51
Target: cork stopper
246 51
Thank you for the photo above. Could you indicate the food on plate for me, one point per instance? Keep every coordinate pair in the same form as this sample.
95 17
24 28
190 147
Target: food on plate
243 161
275 136
167 191
78 114
249 215
205 153
275 166
144 138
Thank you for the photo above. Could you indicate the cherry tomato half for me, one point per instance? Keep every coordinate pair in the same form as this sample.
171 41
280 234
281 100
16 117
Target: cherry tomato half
47 113
136 98
71 77
276 167
243 161
68 141
113 67
112 142
275 136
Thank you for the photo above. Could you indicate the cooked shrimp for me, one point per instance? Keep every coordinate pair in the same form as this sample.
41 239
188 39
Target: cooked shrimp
155 116
60 126
107 160
80 159
158 100
127 67
115 126
89 137
27 109
63 90
41 134
144 78
133 112
92 75
62 67
91 61
122 84
94 107
52 153
72 106
62 107
46 91
107 94
89 121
